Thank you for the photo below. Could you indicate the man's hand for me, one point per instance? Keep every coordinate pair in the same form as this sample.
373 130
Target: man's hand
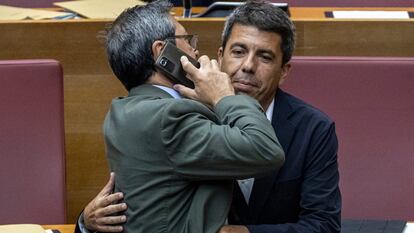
234 229
211 85
97 214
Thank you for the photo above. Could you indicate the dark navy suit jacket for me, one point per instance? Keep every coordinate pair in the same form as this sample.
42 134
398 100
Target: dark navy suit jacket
304 196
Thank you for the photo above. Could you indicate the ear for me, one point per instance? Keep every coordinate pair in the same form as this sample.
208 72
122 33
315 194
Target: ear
285 72
156 48
220 55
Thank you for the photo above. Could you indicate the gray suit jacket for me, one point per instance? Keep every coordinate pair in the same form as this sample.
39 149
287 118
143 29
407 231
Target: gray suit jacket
175 159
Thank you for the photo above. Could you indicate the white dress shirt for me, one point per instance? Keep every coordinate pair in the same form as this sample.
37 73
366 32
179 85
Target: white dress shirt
246 185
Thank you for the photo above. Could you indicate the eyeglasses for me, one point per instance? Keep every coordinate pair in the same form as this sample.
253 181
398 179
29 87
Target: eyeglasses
192 40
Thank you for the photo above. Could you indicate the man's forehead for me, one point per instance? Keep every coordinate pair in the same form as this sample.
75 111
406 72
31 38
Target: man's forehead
179 29
251 35
251 30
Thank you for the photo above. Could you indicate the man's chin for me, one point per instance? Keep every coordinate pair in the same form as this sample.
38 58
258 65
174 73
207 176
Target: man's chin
242 93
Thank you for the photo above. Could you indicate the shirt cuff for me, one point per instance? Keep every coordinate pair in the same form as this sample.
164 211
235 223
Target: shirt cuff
81 225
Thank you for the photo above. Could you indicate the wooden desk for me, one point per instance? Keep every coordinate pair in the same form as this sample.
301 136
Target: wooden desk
90 86
320 36
67 228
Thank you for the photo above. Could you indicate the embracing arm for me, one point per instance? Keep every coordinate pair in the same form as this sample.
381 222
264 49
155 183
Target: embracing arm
101 214
240 143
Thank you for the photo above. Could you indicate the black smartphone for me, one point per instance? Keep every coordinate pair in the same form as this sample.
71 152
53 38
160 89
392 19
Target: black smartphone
169 64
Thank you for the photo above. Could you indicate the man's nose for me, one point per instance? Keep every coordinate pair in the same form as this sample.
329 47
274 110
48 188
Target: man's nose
249 64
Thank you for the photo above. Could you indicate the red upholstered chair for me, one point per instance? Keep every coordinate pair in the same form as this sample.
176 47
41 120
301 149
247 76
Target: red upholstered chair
30 3
32 161
372 103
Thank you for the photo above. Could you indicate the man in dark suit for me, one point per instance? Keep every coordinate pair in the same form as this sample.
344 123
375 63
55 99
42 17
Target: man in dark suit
304 196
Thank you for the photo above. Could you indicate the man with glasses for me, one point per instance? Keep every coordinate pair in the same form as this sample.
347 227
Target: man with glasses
192 40
175 159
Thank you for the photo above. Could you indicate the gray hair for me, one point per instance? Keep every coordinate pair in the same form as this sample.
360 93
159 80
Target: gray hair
130 38
266 17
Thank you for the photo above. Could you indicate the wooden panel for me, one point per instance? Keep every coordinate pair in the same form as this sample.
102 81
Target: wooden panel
90 85
87 98
209 32
355 38
318 13
73 43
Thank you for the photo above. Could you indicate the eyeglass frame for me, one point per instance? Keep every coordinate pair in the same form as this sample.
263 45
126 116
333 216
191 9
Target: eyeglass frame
191 39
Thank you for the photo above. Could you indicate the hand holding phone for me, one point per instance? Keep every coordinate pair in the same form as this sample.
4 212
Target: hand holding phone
211 83
168 63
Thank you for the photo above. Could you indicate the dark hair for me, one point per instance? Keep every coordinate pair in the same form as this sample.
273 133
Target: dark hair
266 17
130 38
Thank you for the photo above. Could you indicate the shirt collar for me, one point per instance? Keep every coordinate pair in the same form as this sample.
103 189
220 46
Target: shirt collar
170 91
269 111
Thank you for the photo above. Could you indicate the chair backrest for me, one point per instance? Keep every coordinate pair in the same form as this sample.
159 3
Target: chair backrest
372 102
32 160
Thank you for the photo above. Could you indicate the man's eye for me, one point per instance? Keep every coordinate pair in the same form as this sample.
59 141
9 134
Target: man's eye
267 58
237 52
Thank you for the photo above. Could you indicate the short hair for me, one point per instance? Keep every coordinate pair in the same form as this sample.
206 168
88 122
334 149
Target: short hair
266 17
129 41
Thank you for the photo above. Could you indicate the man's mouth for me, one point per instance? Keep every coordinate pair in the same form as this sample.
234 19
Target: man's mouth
245 86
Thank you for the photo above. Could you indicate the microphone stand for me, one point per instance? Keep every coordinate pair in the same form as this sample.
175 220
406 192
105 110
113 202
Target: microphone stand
187 5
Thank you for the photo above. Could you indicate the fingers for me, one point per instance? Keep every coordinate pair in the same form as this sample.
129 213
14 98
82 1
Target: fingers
111 198
214 64
210 83
109 228
104 222
188 67
204 61
110 210
111 220
185 91
109 186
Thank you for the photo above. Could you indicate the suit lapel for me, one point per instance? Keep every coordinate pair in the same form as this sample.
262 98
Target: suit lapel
284 131
280 121
239 210
262 187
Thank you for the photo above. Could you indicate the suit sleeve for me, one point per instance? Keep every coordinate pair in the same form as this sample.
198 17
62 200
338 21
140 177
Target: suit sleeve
237 141
80 226
320 196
